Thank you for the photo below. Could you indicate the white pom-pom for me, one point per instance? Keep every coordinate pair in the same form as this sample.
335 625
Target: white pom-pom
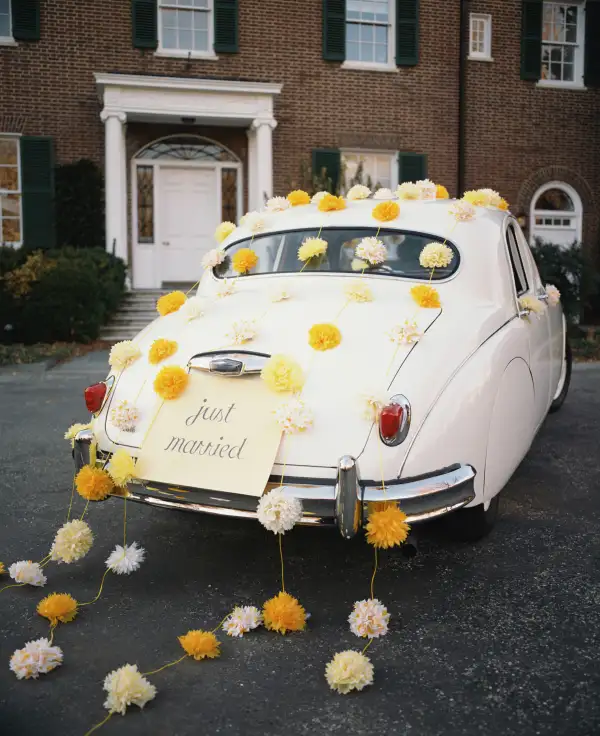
277 512
127 559
27 572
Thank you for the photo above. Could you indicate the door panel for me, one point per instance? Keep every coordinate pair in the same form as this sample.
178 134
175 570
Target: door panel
189 214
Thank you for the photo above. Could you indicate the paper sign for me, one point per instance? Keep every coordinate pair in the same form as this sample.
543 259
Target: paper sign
220 435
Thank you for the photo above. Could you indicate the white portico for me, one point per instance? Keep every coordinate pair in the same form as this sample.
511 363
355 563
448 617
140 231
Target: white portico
181 186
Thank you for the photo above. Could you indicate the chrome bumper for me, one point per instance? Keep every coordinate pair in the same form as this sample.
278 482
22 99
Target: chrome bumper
343 503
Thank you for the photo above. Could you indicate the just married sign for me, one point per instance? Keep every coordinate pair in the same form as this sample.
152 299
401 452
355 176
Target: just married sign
220 434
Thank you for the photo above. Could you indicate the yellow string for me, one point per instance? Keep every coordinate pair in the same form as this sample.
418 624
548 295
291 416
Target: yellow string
98 725
89 603
85 509
12 585
281 558
164 667
124 521
393 359
152 422
52 630
71 501
367 645
373 576
194 286
218 626
339 314
139 392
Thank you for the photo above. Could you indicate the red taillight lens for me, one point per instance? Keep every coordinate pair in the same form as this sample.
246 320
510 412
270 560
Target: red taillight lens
94 396
390 420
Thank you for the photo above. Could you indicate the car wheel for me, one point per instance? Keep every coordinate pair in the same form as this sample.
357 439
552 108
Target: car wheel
472 524
564 382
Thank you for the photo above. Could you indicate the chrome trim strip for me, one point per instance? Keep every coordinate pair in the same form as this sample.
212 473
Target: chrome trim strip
229 363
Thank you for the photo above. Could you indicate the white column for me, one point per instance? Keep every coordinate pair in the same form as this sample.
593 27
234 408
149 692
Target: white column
253 203
264 159
115 181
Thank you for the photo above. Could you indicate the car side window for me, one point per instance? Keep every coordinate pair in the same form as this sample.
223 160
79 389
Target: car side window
516 261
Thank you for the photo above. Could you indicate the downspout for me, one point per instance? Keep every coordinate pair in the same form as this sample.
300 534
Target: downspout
462 91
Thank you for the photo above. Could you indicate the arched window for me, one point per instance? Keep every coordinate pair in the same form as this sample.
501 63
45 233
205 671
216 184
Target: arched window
556 214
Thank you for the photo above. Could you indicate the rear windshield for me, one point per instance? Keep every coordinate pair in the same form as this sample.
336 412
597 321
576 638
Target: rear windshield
278 253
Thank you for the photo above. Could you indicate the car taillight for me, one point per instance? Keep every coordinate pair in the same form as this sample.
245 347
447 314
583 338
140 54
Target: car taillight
390 420
94 396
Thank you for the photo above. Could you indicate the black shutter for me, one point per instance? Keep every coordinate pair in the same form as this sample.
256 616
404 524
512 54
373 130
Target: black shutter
37 185
25 20
407 32
531 40
327 161
226 26
591 74
412 167
143 24
334 30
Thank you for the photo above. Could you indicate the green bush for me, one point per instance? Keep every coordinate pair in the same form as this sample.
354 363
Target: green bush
571 271
69 298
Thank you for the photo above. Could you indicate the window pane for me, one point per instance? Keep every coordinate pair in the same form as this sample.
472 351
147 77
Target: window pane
229 195
145 203
11 230
381 54
352 52
169 38
366 34
366 52
201 41
8 151
555 199
4 25
185 39
351 32
9 178
184 19
10 205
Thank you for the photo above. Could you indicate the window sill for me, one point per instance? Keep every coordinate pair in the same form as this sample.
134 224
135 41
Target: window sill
6 41
549 84
367 66
176 54
480 58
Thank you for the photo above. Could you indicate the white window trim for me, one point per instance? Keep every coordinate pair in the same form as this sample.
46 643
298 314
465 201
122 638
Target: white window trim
378 66
486 55
579 53
577 213
19 191
187 53
376 152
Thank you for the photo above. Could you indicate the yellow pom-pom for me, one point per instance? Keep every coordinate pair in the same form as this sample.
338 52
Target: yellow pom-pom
281 374
426 296
170 302
244 260
324 337
312 248
224 230
298 196
94 484
200 644
441 192
387 528
386 211
170 382
503 204
2 568
121 467
284 613
476 197
330 203
161 349
58 607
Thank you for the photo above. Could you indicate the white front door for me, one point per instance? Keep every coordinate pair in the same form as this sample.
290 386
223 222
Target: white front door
189 209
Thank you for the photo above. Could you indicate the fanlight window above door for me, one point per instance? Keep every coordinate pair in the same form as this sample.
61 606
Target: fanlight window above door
186 148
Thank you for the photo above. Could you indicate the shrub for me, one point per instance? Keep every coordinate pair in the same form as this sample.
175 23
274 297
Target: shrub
60 295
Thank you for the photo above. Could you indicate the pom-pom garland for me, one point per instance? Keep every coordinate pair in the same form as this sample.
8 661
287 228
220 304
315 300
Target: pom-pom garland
26 572
169 303
121 467
58 608
244 260
387 528
242 620
127 686
170 382
312 249
331 203
282 374
72 542
125 560
426 296
324 337
369 619
284 613
277 204
200 644
93 484
386 211
223 231
349 671
278 512
358 192
436 255
36 658
123 354
161 349
298 197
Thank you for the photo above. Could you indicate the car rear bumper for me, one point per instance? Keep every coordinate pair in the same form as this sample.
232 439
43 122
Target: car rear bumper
344 502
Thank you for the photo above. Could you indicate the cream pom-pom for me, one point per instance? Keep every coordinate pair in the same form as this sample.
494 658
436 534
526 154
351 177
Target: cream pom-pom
358 291
293 416
369 618
358 265
125 416
383 193
408 190
278 512
277 204
36 658
127 686
192 309
224 230
436 255
27 572
241 331
553 294
357 192
72 542
349 671
242 620
121 467
316 198
254 221
372 250
406 333
462 210
123 354
531 303
213 258
125 560
74 429
427 189
492 198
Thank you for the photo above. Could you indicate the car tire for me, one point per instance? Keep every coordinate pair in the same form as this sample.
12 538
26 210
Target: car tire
474 523
563 390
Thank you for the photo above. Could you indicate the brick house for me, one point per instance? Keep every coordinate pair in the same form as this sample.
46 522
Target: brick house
199 109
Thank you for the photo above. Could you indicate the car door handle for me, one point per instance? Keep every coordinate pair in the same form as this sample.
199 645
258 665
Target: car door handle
166 242
542 296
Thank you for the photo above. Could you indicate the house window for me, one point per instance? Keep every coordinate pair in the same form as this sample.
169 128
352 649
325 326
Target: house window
185 26
480 36
145 204
5 21
369 32
10 191
375 170
562 43
556 214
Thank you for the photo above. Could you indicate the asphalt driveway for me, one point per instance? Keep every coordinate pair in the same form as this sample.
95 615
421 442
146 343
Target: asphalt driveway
497 638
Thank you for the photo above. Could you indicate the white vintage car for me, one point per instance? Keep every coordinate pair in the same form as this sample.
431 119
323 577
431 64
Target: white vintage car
462 404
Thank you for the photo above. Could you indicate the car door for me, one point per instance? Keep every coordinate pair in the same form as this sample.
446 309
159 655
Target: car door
538 328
